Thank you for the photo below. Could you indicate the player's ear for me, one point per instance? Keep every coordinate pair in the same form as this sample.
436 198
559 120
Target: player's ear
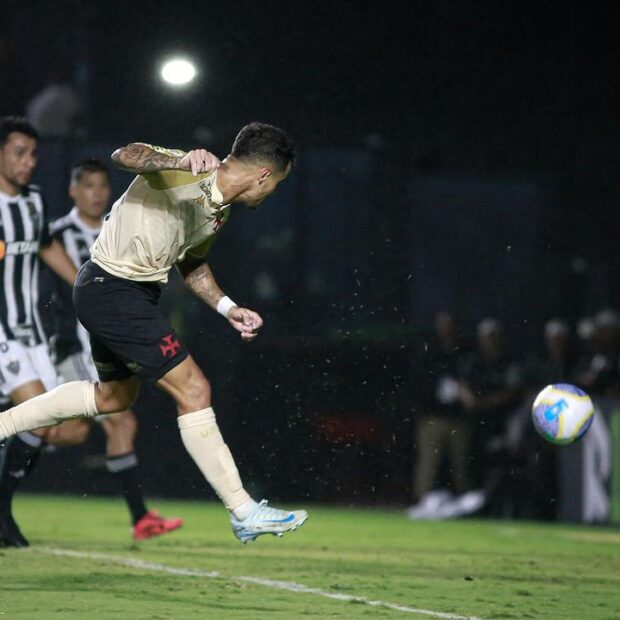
263 175
72 191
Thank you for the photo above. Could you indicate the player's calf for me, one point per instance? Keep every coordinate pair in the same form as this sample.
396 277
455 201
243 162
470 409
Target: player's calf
70 433
120 429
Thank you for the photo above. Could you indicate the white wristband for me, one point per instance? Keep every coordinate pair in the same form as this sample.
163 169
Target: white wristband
224 305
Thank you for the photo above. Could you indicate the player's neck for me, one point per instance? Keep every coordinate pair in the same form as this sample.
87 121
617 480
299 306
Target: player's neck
8 187
230 181
90 222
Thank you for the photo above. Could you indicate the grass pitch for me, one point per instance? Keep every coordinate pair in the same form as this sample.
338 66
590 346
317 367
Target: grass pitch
482 569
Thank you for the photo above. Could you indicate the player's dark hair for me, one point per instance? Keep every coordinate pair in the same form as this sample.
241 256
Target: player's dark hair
11 124
87 166
260 142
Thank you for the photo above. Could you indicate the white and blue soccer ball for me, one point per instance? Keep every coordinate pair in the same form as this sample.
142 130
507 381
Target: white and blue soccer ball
562 413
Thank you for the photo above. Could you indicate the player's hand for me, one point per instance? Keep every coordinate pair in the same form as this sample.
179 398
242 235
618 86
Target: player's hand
245 321
199 161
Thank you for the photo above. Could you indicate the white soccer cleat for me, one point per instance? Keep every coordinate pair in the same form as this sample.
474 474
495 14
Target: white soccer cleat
267 520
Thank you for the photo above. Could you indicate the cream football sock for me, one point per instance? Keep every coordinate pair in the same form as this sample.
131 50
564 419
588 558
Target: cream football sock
203 440
71 400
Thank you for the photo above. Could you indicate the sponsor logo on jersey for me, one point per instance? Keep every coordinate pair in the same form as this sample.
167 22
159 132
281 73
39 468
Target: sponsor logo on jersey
205 186
17 248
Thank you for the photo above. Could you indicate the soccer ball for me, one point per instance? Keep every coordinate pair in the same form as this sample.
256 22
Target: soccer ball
562 413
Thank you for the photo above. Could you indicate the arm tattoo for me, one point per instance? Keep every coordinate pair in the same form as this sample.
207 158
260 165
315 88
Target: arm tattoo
139 157
202 283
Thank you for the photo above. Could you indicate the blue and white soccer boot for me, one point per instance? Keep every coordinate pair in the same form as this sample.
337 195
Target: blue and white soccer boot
267 520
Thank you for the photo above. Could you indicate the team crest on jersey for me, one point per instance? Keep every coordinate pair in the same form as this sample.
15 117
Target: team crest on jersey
13 367
34 214
216 218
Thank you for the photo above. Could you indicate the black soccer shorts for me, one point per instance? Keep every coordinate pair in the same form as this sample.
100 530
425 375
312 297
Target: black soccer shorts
128 333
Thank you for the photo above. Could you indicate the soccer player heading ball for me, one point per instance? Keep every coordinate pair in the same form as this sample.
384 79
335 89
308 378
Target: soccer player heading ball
169 216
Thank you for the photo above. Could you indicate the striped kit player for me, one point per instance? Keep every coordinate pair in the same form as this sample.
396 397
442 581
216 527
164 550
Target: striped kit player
70 341
24 355
26 370
23 352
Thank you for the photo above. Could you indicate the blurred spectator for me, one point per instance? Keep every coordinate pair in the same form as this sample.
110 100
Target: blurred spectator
586 334
599 368
54 111
490 380
443 428
558 363
529 452
490 388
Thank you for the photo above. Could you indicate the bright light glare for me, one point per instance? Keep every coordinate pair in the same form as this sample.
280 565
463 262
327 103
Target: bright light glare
178 72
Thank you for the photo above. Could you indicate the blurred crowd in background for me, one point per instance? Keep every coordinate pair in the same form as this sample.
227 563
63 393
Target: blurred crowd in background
477 450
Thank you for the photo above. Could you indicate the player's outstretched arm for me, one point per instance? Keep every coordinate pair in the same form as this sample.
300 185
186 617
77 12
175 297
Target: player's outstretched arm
199 279
141 158
57 259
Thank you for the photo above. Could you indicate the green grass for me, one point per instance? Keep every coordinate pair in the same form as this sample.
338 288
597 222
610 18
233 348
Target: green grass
481 568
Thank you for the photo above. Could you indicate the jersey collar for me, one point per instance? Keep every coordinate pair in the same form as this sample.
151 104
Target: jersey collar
77 220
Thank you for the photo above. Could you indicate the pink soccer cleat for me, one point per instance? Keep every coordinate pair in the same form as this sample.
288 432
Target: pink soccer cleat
151 525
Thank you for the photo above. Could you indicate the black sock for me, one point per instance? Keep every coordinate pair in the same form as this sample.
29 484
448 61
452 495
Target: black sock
18 459
125 469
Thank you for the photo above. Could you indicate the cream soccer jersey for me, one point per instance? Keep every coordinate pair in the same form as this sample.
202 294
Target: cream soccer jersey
162 217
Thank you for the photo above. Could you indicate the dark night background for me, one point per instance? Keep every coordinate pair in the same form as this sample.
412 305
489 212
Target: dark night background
458 155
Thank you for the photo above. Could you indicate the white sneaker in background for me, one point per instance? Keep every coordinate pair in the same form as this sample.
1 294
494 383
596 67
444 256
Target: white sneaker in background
430 507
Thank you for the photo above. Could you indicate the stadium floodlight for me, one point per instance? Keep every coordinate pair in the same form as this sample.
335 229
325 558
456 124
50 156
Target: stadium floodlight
178 72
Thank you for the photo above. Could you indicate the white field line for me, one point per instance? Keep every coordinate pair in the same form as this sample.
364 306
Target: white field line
259 581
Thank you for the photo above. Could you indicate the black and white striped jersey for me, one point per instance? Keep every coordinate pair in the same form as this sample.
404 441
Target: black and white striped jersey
76 237
23 230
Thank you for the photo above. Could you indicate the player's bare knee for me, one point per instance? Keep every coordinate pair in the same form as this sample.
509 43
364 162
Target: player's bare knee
188 386
198 392
115 396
